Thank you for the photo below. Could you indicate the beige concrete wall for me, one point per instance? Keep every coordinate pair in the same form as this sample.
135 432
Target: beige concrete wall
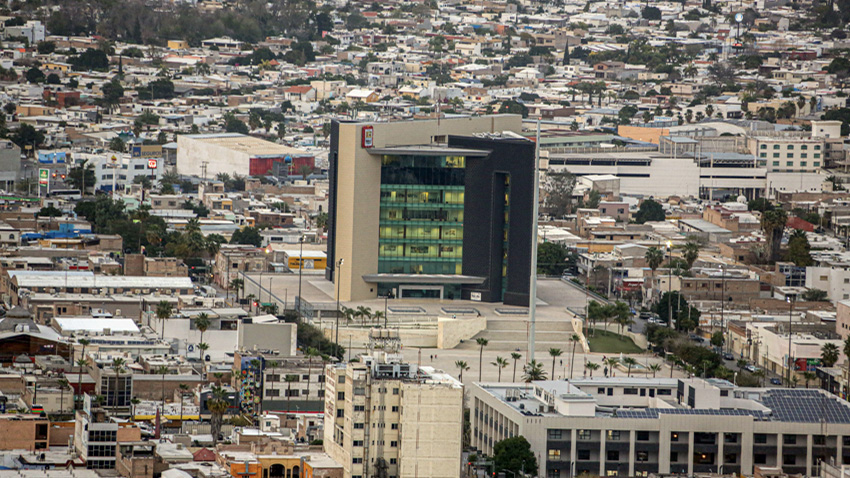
432 418
359 337
273 336
191 153
358 191
451 331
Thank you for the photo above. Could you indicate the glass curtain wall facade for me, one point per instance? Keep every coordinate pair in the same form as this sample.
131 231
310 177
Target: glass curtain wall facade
421 215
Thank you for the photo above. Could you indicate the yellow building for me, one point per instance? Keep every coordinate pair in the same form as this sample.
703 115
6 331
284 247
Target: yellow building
312 260
178 44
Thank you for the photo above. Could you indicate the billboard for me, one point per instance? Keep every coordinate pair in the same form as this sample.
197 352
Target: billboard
806 365
43 177
146 151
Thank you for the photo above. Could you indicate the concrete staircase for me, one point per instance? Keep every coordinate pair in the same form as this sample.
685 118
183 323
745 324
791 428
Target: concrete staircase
511 333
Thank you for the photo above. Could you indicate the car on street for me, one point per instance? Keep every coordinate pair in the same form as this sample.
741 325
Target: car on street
775 381
751 368
728 356
696 338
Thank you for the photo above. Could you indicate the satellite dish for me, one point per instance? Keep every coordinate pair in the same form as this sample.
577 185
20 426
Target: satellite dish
739 17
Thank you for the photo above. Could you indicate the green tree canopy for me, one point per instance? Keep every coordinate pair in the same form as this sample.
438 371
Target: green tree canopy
649 210
514 454
247 235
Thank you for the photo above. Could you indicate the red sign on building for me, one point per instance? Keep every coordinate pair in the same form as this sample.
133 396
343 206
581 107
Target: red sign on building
367 136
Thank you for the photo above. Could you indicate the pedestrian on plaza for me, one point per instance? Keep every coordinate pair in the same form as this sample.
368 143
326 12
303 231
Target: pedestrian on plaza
606 371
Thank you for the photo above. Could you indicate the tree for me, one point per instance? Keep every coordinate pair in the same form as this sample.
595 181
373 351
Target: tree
574 339
685 317
34 75
552 258
654 257
690 252
799 249
622 315
500 363
45 47
654 368
554 353
234 125
237 285
773 226
482 342
651 13
160 88
815 295
164 309
112 94
289 379
717 339
91 59
847 354
515 356
649 210
558 188
514 455
162 371
533 371
629 362
217 405
202 324
722 73
27 135
118 364
591 366
808 377
53 79
829 354
462 366
82 176
247 235
117 144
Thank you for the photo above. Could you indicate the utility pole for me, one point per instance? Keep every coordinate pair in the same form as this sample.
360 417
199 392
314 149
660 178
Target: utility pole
204 171
532 287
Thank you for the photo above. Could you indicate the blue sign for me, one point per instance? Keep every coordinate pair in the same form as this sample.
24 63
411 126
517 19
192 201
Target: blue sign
287 159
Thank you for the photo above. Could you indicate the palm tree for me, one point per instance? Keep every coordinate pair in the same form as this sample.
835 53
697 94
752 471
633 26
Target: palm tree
118 364
655 368
82 362
759 374
591 366
690 252
250 298
162 370
773 225
808 377
217 405
363 313
622 316
461 365
515 356
183 389
202 323
533 371
236 284
611 362
378 316
310 353
289 379
482 342
575 339
629 362
847 354
134 402
654 257
164 309
829 354
500 363
595 312
554 353
63 384
203 347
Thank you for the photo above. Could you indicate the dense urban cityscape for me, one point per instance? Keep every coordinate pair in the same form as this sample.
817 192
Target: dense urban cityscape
433 239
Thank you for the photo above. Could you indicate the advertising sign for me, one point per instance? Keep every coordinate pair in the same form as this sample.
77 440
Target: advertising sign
43 177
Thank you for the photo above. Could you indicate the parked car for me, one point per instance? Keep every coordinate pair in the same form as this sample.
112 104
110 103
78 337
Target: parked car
696 338
751 368
728 356
775 381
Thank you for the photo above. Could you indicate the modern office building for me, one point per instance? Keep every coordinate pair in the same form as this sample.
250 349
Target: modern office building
431 209
645 426
385 417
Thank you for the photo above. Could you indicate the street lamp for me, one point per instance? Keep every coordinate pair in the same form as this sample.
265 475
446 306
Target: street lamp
300 268
338 282
722 303
670 285
790 300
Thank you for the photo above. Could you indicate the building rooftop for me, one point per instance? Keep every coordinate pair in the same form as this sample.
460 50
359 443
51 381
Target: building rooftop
247 144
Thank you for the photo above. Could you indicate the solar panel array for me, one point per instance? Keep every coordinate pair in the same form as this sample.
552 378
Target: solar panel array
652 413
811 406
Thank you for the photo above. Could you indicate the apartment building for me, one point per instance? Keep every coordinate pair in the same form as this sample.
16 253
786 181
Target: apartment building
796 151
645 426
385 417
